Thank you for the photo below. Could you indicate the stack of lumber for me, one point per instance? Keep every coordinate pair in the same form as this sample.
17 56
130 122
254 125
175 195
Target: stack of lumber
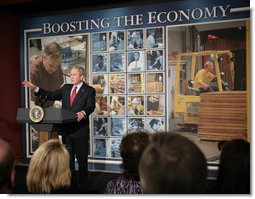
223 116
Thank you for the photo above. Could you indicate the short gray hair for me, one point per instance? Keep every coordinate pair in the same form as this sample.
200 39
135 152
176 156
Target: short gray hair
81 69
207 63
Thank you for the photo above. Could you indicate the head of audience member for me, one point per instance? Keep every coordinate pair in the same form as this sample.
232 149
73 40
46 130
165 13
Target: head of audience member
234 168
7 167
172 164
131 149
49 168
52 57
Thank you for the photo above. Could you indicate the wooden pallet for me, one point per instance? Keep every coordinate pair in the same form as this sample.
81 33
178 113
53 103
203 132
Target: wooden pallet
223 116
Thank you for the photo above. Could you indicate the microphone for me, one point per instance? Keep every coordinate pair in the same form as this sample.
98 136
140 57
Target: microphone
40 100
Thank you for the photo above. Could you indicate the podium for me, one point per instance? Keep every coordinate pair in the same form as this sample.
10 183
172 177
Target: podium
51 123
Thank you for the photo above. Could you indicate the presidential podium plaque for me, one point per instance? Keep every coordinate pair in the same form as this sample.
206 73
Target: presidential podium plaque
46 121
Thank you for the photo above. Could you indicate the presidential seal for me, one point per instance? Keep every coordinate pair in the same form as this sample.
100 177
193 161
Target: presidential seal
36 114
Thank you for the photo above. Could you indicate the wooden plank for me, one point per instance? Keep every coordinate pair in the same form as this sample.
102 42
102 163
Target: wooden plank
224 100
222 105
226 93
223 124
43 137
223 115
216 118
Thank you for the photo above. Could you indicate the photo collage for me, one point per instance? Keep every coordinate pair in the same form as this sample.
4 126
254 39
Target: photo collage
128 72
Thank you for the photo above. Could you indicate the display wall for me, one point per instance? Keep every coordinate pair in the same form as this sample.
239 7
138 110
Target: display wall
128 55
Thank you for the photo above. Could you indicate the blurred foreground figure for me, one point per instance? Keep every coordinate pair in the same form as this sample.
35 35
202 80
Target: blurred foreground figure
172 164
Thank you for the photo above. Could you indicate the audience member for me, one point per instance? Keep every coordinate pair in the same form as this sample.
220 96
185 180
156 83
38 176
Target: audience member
7 168
172 164
131 149
49 170
234 168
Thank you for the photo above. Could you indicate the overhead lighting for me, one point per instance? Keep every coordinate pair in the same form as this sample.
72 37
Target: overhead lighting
220 58
212 37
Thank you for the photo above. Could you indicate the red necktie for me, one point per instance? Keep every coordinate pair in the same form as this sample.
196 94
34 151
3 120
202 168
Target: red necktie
73 96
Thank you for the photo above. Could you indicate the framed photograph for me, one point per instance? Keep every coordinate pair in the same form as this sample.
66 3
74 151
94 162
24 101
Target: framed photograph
136 61
99 63
136 105
118 126
135 124
155 124
117 62
155 60
135 39
154 37
117 105
136 83
89 146
117 83
115 148
155 105
101 106
72 48
99 42
155 82
116 40
33 139
100 83
100 147
100 126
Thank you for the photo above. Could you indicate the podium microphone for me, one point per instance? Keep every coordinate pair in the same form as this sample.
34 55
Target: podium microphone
40 100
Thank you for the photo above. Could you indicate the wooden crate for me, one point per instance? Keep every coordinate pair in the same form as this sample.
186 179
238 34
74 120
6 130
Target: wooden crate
223 116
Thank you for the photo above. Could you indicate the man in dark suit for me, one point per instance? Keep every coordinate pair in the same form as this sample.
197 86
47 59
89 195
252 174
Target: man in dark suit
77 97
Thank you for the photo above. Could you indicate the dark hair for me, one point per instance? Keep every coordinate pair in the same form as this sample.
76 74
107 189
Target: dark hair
172 164
234 168
131 149
154 121
100 57
7 161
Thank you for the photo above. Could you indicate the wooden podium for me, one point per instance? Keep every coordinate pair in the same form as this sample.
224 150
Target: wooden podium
51 123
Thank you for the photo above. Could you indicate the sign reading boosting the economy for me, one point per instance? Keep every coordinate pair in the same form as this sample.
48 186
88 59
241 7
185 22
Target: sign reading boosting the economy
129 56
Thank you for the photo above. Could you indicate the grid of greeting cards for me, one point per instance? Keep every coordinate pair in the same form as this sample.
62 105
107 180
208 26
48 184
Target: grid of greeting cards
128 73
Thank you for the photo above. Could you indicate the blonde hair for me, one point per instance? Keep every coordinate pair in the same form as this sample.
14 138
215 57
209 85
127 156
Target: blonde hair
49 168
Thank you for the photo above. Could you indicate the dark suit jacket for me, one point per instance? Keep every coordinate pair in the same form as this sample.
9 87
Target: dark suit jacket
84 101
